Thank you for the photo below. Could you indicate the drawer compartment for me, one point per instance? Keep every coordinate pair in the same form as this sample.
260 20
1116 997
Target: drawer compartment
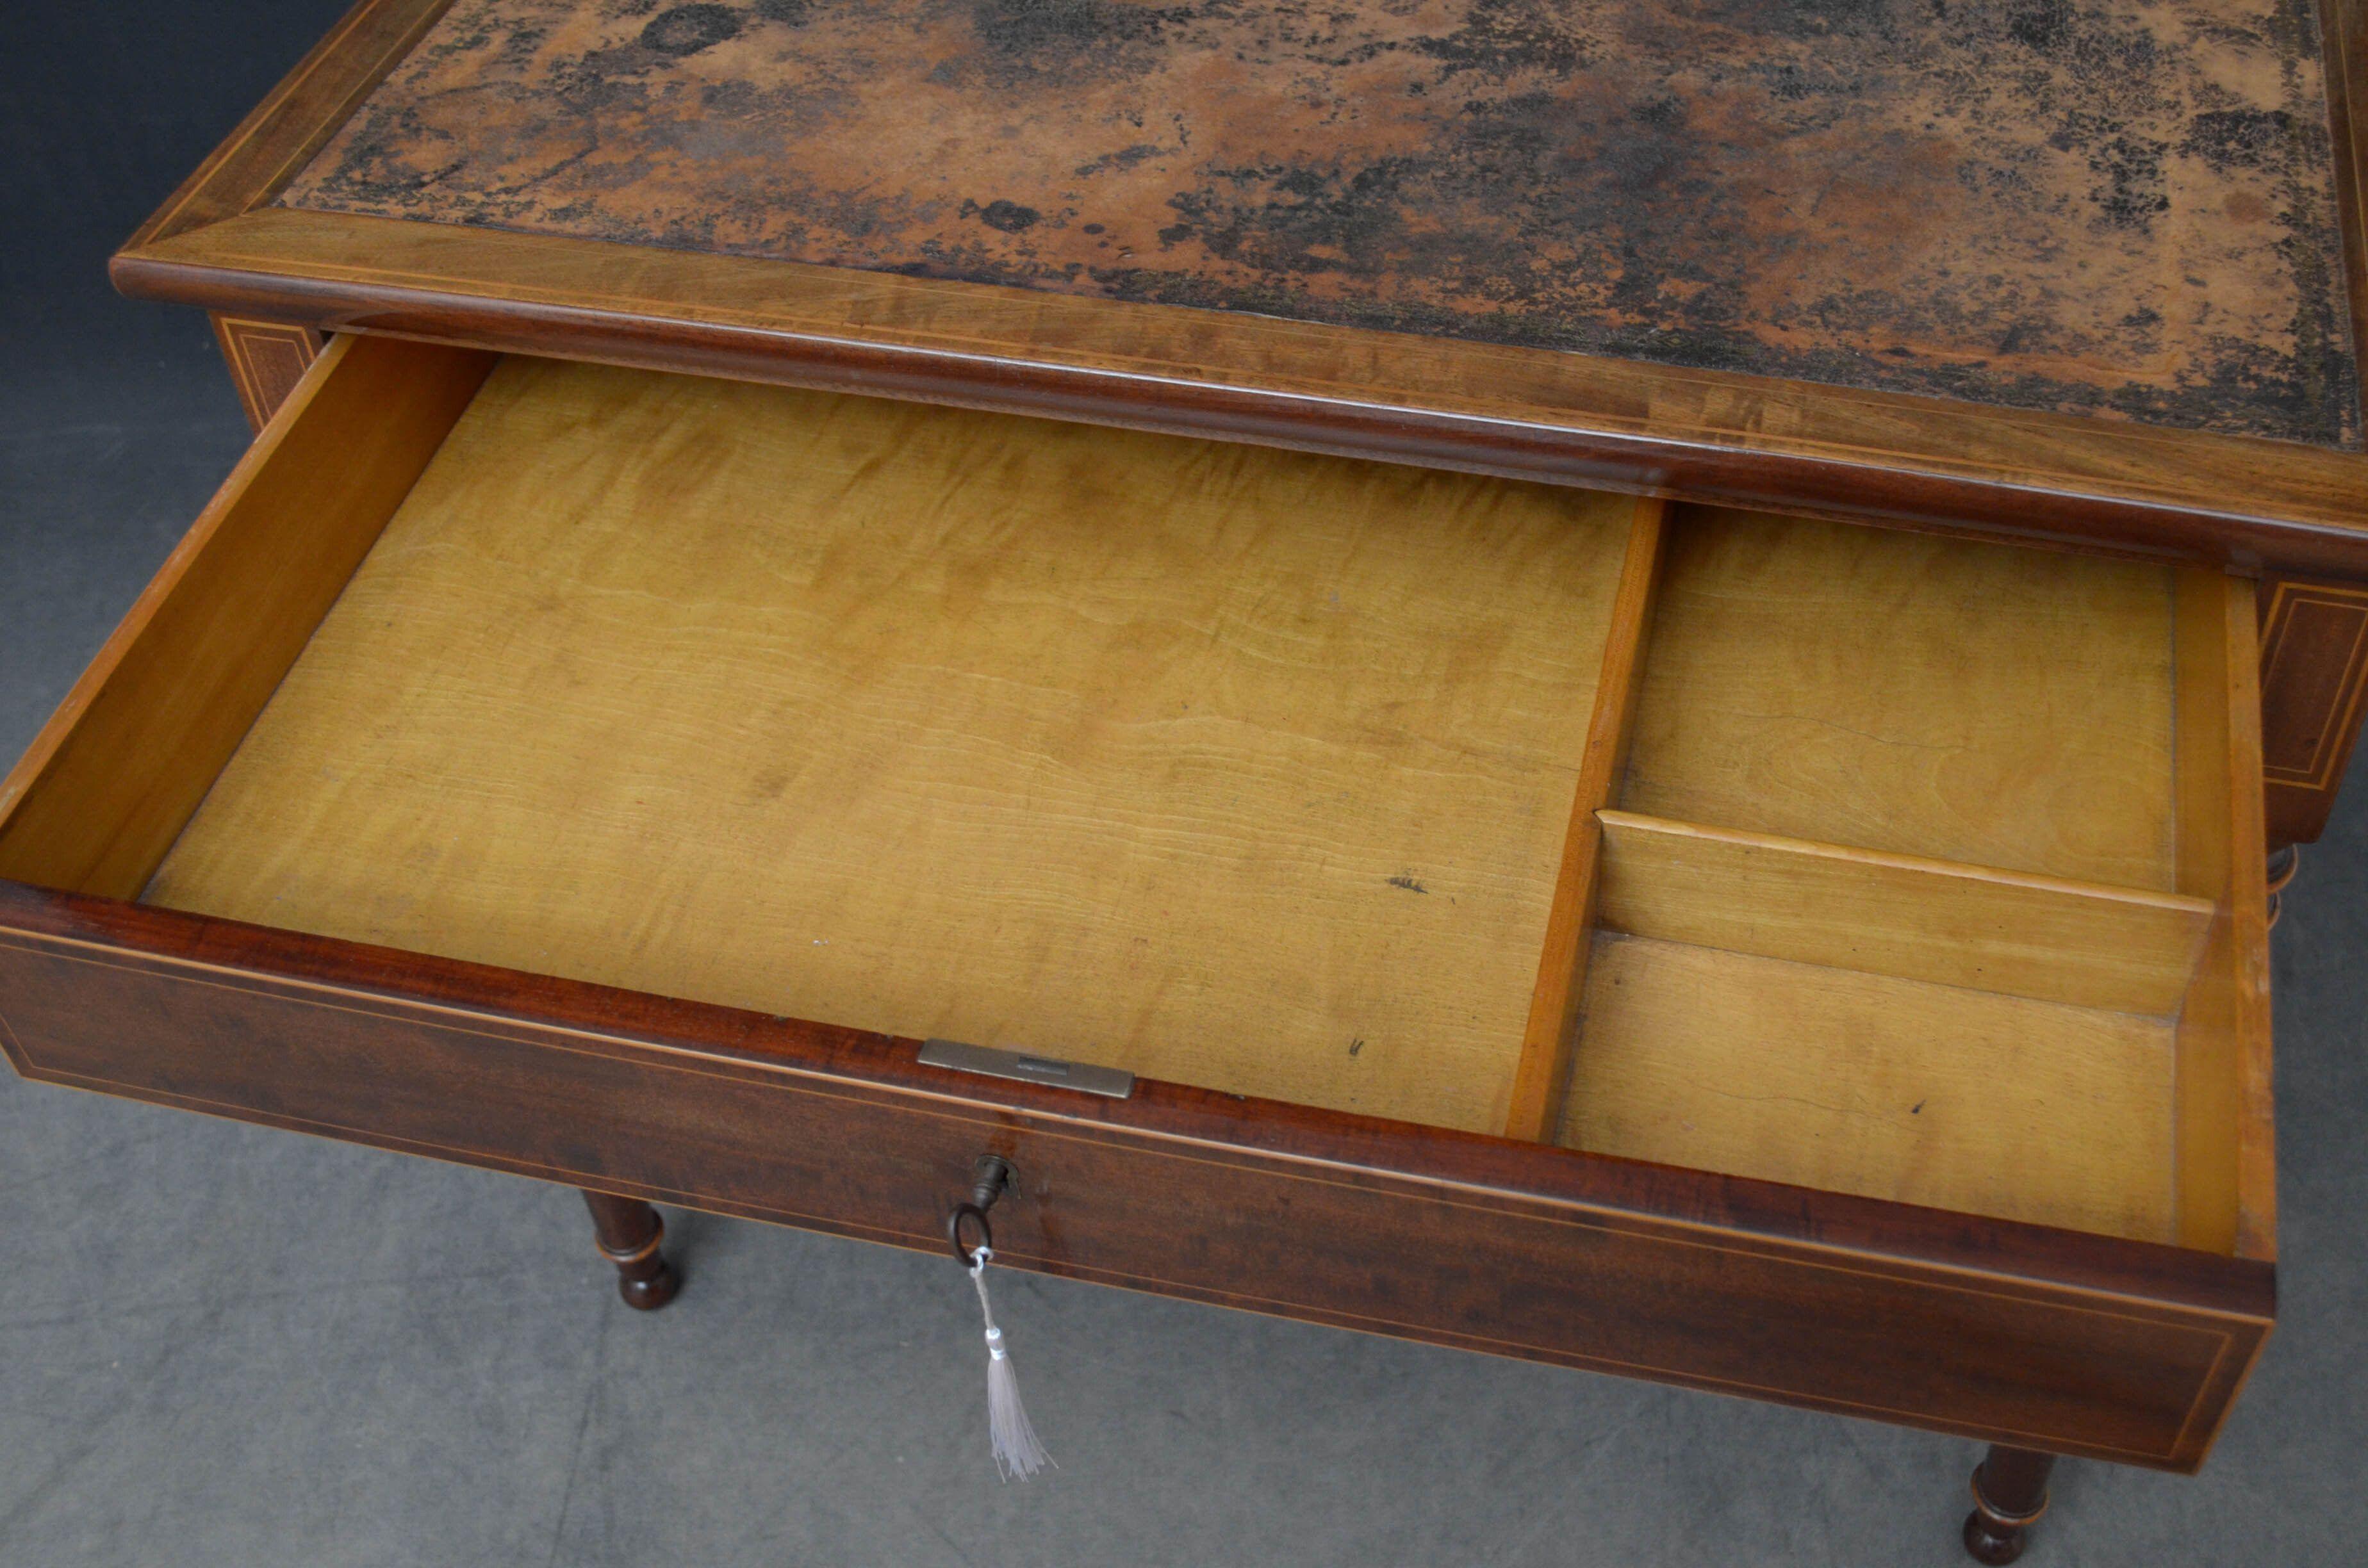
1243 770
1920 884
1731 949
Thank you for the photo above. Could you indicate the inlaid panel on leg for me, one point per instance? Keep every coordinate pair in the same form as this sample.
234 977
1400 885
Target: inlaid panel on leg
266 359
2314 677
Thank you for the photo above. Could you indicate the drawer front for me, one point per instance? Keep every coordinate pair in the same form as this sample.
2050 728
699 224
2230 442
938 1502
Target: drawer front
2079 1345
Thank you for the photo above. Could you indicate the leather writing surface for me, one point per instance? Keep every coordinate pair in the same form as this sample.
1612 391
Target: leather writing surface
2120 211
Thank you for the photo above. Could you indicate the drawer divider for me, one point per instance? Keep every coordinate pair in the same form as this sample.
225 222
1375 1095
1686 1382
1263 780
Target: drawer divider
1543 1069
2049 938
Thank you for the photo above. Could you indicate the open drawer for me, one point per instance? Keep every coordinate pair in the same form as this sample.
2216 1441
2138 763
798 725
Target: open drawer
1814 962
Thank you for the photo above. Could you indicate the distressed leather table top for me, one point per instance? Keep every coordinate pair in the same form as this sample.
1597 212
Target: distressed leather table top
2118 210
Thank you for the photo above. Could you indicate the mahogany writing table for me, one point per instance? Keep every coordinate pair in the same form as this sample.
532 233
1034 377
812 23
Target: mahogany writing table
1642 661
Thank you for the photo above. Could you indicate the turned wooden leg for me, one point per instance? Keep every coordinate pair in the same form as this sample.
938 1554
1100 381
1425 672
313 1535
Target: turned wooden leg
2283 863
2010 1494
629 1232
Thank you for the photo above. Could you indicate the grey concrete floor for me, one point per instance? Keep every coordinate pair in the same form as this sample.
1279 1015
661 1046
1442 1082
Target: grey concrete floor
223 1345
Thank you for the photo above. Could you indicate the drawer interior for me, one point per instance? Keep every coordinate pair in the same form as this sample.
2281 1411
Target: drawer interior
1190 758
1871 861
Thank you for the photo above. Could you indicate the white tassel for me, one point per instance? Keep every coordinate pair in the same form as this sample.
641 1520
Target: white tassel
1017 1450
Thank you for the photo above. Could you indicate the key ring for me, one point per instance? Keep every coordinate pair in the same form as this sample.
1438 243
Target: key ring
990 1176
962 1254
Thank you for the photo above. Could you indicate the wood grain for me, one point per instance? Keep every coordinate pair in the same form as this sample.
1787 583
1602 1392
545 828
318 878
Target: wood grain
1552 1028
2226 1125
1851 1082
1241 769
1569 418
108 782
1913 695
2052 940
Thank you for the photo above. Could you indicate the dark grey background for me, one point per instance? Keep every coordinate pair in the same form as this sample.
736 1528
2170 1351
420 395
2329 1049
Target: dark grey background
221 1345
